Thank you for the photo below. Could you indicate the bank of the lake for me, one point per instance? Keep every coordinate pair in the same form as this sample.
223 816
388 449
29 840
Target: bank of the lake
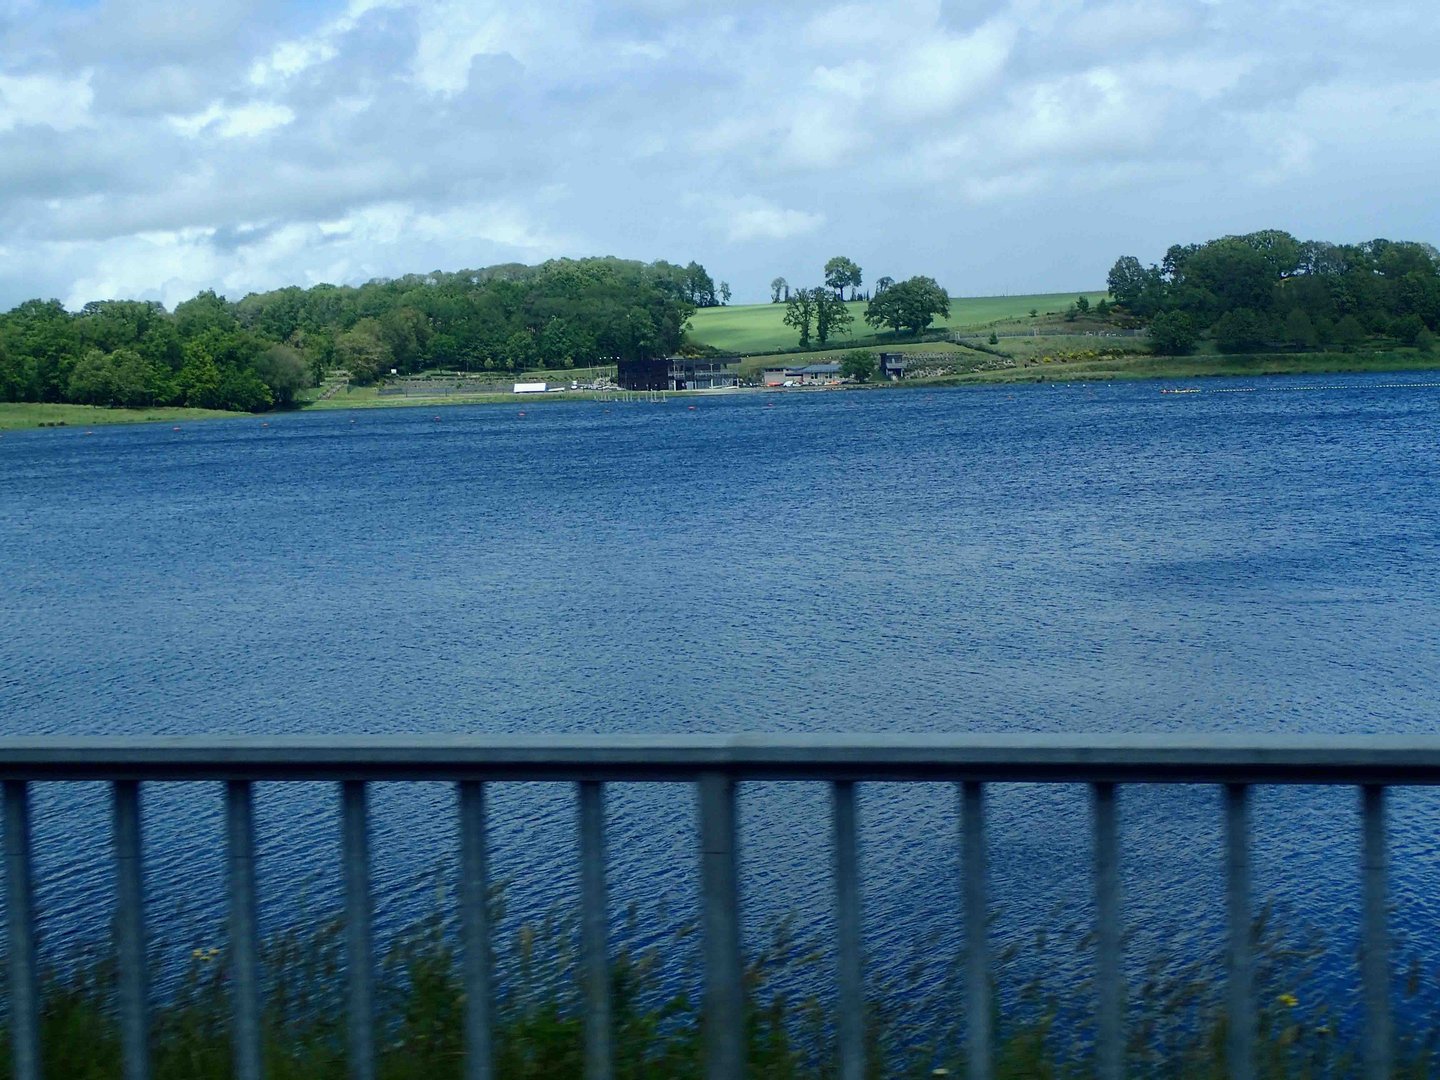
17 415
1133 366
1127 366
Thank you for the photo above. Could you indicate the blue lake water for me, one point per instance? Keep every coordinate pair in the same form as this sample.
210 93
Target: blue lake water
1257 557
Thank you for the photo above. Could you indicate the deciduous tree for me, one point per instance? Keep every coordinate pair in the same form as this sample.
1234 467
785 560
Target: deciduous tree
840 272
832 317
1172 333
800 314
859 365
910 305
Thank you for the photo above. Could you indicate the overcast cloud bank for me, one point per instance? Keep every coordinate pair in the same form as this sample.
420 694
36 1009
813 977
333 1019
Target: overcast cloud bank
150 149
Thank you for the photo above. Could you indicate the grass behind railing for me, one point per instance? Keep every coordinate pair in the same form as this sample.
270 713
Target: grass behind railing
1176 1023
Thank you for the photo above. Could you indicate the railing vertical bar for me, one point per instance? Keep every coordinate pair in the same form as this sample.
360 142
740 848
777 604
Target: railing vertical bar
130 931
978 1026
1375 967
1110 1012
849 976
359 941
244 930
595 932
1240 974
724 1011
475 933
23 988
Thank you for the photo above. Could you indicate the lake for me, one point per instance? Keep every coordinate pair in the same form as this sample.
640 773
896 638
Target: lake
1255 557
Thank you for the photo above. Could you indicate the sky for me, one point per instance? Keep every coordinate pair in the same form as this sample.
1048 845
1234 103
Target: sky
153 149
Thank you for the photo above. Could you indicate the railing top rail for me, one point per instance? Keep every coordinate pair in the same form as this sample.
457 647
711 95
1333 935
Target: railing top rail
1168 758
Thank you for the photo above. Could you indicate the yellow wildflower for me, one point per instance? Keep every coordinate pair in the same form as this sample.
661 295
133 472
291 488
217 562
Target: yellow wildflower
1289 1000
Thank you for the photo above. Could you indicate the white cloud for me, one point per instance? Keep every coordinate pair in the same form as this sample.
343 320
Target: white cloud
174 265
754 218
947 71
233 122
290 58
60 102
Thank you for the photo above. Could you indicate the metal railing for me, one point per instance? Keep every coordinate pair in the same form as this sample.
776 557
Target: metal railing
714 765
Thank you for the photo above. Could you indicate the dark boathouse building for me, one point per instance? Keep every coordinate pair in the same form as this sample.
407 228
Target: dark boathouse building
678 373
649 374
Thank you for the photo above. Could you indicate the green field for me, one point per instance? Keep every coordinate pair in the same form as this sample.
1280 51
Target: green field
16 415
760 328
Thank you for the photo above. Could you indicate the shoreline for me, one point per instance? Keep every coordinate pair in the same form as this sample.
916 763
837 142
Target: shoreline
26 416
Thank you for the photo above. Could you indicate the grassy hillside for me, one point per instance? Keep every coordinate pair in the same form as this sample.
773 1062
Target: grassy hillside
760 328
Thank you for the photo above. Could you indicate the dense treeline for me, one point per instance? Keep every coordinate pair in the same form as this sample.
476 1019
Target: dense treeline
1267 289
261 351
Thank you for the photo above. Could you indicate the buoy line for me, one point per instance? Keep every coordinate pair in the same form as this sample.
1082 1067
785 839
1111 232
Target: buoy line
1321 386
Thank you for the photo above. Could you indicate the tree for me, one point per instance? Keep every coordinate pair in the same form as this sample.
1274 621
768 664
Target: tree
909 305
1407 328
1126 281
777 287
832 317
362 351
800 314
283 369
1172 333
138 382
1299 330
700 288
1349 334
241 390
882 284
840 272
205 311
860 365
724 292
198 384
1241 330
92 379
406 332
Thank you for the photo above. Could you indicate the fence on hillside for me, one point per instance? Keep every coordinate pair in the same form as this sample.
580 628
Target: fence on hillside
714 765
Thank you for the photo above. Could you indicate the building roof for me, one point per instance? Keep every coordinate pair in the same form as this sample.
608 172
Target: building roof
698 361
814 369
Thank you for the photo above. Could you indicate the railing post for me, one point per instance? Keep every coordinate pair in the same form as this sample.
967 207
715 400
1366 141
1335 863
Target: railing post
23 988
244 931
359 944
1110 1013
475 933
850 996
130 931
724 1009
978 1026
1375 965
1240 974
594 932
